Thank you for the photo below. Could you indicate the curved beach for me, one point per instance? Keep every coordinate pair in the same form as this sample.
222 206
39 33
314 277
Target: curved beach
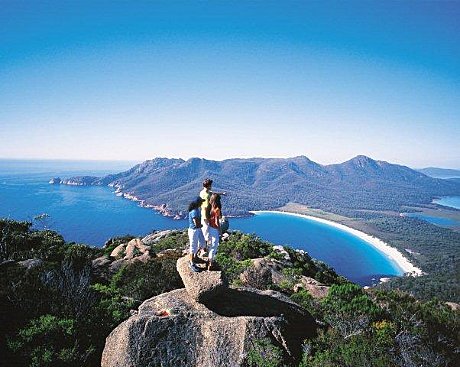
390 252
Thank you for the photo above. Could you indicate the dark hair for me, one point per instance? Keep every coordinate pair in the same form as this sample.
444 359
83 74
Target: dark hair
195 204
207 182
215 199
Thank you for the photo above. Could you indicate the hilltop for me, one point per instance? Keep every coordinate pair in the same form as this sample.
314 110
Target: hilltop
267 183
136 303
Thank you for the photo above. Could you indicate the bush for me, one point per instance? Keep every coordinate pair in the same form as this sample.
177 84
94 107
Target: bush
232 268
264 354
176 240
48 341
244 246
140 280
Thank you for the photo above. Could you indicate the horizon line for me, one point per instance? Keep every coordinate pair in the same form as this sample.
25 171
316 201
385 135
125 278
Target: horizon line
135 161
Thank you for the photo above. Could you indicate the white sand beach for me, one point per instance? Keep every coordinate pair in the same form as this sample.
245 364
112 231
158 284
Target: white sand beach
392 253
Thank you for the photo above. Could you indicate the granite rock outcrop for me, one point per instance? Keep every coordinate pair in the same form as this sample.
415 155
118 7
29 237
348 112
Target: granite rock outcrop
207 323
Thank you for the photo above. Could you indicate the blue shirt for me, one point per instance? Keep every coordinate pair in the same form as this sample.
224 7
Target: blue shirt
195 213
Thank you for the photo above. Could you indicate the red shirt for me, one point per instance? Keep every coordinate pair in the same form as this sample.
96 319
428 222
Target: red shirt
214 218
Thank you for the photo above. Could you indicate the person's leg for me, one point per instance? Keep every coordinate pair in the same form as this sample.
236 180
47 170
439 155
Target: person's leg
201 240
214 238
193 240
205 230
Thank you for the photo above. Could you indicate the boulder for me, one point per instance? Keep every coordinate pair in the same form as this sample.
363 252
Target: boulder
200 286
453 306
315 288
156 236
101 262
116 265
134 248
172 329
129 251
118 251
101 268
31 263
263 273
281 250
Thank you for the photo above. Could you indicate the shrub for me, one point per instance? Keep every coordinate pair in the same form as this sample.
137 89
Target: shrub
264 354
244 246
231 267
48 341
140 280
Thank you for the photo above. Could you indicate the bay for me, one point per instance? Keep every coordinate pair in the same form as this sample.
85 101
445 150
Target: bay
449 201
448 222
91 215
439 221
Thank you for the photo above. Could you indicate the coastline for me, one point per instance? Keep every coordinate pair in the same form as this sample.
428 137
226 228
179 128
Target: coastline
407 268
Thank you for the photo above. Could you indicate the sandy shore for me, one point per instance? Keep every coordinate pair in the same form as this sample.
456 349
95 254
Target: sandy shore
393 254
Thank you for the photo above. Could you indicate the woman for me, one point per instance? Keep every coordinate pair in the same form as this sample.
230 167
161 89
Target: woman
215 215
195 234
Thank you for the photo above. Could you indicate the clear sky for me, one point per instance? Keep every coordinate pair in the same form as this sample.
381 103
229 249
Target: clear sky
137 80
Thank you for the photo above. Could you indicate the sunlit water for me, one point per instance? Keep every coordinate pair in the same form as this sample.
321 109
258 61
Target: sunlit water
92 215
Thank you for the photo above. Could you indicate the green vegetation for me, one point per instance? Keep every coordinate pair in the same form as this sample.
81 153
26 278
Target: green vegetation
140 281
381 328
57 310
435 251
234 257
264 354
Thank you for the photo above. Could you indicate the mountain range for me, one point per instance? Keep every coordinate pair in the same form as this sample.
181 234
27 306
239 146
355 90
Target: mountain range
440 172
267 183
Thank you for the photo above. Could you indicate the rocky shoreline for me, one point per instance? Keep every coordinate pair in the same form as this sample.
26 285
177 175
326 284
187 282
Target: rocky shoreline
162 209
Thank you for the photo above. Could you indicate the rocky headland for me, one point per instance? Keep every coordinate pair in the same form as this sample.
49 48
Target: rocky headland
168 185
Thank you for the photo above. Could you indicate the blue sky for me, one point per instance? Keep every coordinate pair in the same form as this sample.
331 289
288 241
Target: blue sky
329 80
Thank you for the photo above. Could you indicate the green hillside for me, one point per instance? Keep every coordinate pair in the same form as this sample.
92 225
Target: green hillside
59 301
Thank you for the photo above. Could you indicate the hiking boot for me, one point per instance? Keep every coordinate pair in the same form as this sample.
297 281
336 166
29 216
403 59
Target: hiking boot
193 267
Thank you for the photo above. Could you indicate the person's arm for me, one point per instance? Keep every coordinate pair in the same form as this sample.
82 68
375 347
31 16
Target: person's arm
219 217
219 193
197 222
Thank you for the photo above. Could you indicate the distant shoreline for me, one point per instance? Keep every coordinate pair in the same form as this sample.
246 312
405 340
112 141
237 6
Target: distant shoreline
390 252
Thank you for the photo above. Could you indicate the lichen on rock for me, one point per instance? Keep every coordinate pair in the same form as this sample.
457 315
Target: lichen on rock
207 324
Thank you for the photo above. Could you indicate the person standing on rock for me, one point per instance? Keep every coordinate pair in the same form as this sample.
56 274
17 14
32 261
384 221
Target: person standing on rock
205 194
195 234
215 214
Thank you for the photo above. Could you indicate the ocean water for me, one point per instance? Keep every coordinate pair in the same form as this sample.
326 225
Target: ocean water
450 201
92 215
442 222
81 214
447 201
347 254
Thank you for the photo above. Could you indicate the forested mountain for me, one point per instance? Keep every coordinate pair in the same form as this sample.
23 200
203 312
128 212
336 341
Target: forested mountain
267 183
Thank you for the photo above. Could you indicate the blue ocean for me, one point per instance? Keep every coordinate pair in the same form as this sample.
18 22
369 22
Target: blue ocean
92 215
